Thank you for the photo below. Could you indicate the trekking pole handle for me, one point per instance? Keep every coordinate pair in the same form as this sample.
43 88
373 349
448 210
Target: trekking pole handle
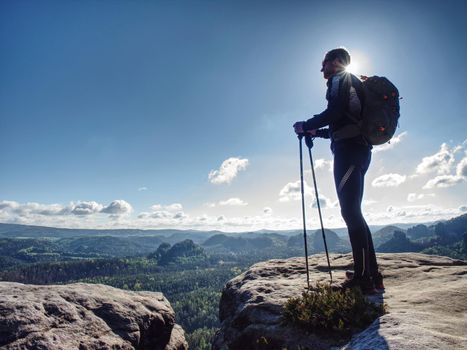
309 141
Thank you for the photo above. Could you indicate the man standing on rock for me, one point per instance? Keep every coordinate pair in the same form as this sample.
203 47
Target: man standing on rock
352 156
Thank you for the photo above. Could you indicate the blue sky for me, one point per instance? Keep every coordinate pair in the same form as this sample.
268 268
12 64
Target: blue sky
122 113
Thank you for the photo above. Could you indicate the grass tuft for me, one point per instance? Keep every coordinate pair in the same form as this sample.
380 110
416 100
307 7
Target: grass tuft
329 312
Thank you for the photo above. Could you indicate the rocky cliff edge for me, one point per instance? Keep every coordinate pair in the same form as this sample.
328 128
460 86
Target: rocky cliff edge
426 298
85 317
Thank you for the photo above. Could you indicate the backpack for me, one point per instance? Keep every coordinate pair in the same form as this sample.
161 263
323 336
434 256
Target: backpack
380 113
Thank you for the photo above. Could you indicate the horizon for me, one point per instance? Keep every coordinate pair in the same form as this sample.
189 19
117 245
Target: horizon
119 115
341 228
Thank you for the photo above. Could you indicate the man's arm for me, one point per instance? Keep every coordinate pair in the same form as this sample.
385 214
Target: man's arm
323 133
335 109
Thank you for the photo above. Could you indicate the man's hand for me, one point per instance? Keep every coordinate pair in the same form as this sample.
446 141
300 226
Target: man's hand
298 127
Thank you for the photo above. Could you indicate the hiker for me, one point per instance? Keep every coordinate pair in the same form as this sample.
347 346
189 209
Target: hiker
352 156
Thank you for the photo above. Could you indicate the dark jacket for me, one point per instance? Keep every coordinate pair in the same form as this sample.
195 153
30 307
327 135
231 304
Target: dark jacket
345 100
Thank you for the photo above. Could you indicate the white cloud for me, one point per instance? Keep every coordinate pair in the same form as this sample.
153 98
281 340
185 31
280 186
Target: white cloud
461 169
440 162
444 181
85 208
235 202
48 209
264 220
324 202
369 202
292 191
8 205
143 215
142 189
411 214
180 215
80 208
227 171
164 214
117 207
33 209
412 197
161 214
203 218
174 207
323 164
267 211
228 202
394 141
179 220
170 207
388 180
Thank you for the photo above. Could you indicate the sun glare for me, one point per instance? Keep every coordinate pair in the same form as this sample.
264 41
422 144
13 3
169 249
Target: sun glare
352 68
360 64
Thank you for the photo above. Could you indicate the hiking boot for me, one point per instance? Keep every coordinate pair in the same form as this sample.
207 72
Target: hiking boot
377 279
365 284
349 274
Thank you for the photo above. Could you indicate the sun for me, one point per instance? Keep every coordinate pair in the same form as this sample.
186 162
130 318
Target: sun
353 67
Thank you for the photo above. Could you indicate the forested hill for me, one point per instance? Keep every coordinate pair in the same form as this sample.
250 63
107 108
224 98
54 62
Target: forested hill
170 235
28 231
22 243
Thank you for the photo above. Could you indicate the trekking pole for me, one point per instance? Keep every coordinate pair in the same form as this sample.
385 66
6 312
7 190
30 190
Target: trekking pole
300 137
309 143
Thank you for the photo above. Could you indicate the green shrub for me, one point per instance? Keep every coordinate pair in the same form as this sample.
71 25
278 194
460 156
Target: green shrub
329 312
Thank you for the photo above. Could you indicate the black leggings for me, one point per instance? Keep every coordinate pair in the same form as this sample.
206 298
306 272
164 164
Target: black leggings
351 161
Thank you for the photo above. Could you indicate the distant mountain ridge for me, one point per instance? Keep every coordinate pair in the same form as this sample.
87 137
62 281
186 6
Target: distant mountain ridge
29 244
244 243
29 231
385 234
33 231
316 243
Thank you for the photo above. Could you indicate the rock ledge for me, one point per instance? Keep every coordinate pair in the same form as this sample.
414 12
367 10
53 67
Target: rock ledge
426 297
85 317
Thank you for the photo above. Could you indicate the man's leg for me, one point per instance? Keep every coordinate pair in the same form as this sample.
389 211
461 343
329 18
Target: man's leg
349 183
372 254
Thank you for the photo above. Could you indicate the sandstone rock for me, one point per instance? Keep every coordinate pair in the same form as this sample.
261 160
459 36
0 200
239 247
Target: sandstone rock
85 317
426 299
